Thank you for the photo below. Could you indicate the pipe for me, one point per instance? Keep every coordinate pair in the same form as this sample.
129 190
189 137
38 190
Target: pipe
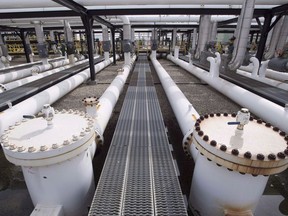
34 104
69 41
213 36
204 29
127 39
26 80
106 41
103 3
274 40
242 34
184 111
263 108
15 75
283 34
110 97
174 38
41 46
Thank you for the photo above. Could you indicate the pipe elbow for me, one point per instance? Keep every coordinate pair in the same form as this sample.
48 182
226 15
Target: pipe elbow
218 58
125 20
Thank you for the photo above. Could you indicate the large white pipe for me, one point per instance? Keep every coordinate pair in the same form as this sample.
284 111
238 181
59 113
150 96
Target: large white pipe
34 104
110 97
263 108
283 37
242 34
16 75
203 36
274 40
40 4
127 38
183 110
26 80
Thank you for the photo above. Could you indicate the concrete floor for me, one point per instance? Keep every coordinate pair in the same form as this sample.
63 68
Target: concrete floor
15 200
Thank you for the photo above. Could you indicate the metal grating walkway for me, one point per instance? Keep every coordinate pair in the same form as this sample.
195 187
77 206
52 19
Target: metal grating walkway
139 177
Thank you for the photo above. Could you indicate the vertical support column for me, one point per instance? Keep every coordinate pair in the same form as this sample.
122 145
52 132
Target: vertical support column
88 23
214 31
126 40
5 58
113 45
27 48
264 33
106 42
41 46
154 44
69 42
204 28
174 38
53 42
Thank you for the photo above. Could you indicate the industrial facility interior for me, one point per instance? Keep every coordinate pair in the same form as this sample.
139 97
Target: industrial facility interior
144 107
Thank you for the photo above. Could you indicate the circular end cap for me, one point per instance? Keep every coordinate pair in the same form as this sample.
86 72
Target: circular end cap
90 101
257 149
35 140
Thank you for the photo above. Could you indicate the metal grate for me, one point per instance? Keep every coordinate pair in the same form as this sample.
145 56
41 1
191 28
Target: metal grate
138 177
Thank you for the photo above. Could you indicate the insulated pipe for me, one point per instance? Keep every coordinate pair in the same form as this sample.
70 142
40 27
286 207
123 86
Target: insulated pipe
69 41
214 65
256 66
34 104
109 98
41 46
184 111
204 29
274 39
15 75
127 39
26 80
5 58
174 38
283 37
106 41
44 4
241 41
214 31
263 108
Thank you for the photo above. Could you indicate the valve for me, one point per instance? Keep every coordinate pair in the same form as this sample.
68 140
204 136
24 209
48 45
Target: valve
48 113
242 118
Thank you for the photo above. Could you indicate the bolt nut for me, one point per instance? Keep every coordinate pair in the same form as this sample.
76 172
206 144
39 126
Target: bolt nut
31 149
248 155
20 149
66 142
11 127
5 143
213 143
87 129
54 146
12 146
82 133
75 138
17 123
43 148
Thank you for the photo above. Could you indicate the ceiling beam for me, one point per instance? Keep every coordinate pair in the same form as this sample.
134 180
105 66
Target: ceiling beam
280 9
9 28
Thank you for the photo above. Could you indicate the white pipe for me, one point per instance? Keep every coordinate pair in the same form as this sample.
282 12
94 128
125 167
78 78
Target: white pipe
269 73
109 98
26 80
256 66
126 36
283 34
213 36
34 104
205 23
105 36
184 111
263 108
16 75
174 38
274 39
40 4
242 34
268 81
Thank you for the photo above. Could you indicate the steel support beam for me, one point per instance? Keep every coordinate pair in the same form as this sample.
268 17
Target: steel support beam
280 9
23 36
113 45
263 38
88 23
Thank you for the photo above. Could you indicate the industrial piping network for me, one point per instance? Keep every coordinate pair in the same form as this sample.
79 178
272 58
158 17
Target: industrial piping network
247 173
20 82
34 104
263 108
15 75
254 75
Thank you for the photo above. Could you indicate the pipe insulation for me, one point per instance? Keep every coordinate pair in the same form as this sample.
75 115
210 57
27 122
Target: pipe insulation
184 111
204 29
26 80
274 39
34 104
85 3
263 108
242 34
16 75
110 97
283 37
